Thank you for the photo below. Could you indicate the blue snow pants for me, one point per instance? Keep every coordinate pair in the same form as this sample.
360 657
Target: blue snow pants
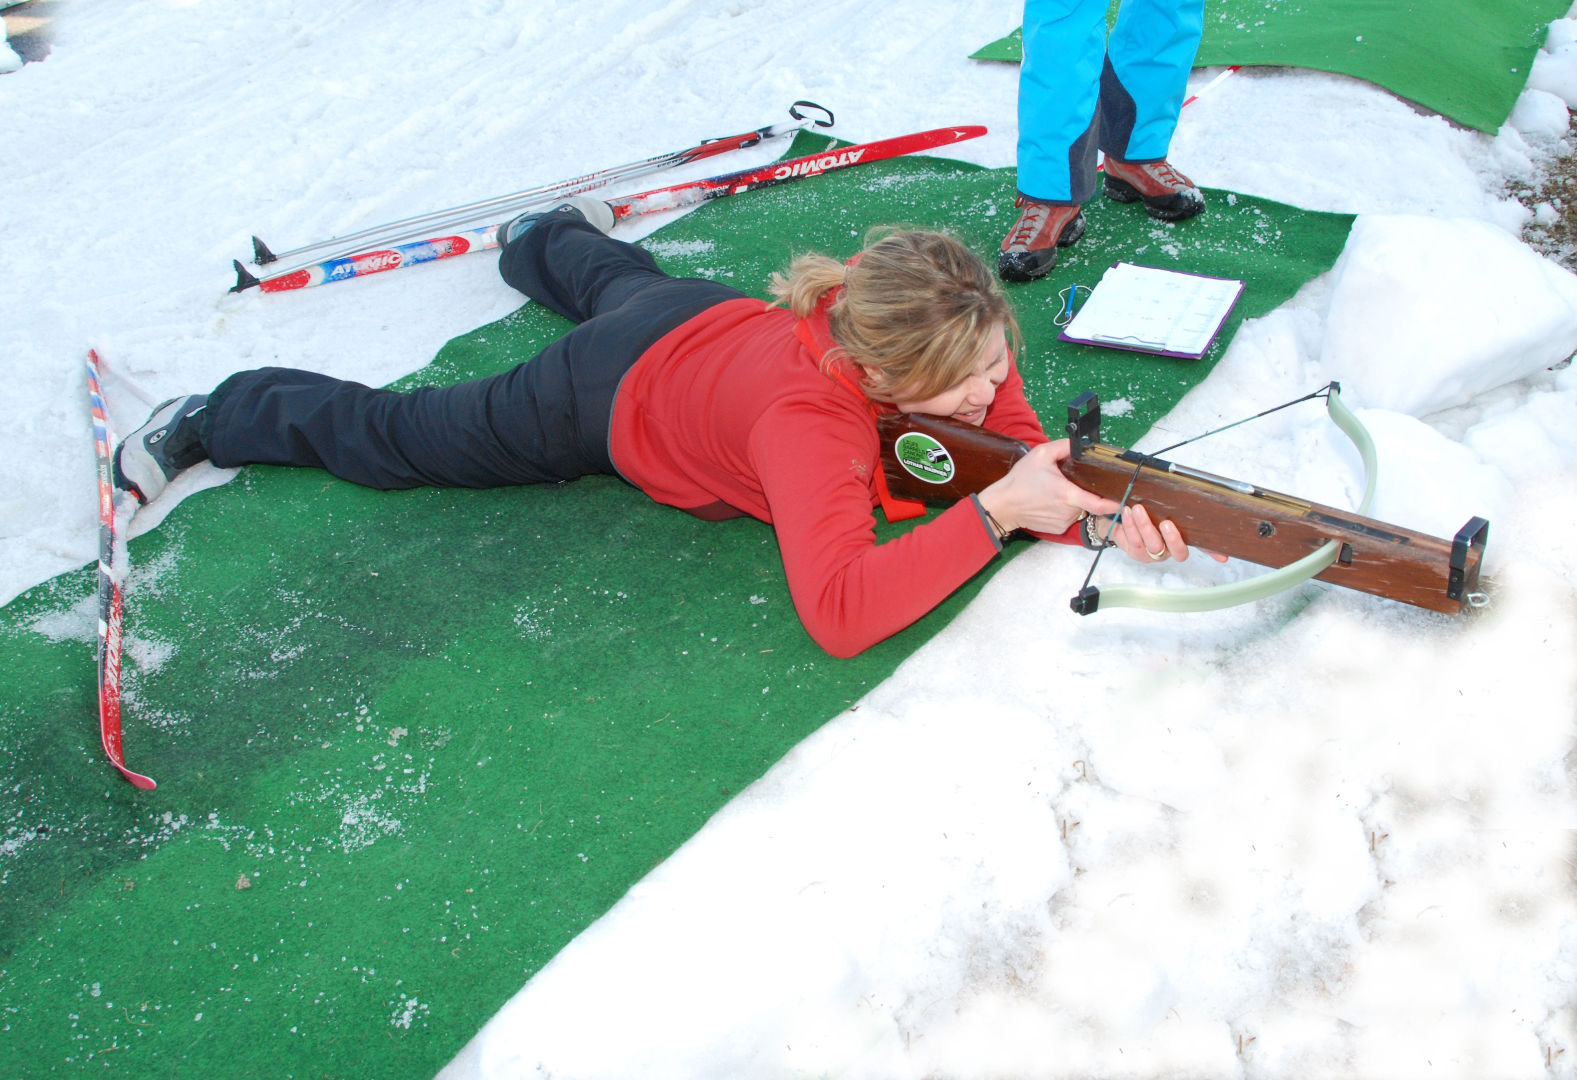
1081 91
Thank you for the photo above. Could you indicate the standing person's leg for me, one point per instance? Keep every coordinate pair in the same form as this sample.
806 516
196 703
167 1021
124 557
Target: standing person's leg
1143 84
1059 83
1058 94
1149 56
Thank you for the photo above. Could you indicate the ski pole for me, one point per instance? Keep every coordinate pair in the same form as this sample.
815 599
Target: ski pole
688 193
412 228
1211 85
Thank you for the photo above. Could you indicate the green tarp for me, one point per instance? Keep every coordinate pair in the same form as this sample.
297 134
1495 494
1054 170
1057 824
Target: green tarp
409 744
1465 59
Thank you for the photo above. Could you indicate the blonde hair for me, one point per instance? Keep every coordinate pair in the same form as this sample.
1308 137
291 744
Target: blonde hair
917 309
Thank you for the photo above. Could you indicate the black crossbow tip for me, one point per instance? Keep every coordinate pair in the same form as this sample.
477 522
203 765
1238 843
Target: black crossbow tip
1475 534
1087 602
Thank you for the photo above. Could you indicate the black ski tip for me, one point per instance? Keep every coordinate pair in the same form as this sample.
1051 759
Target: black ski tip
260 253
244 279
1087 602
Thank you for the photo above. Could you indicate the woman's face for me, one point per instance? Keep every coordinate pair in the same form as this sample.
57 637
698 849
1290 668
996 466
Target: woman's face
968 399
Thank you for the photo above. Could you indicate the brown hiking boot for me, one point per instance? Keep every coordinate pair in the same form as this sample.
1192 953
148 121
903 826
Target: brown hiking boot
1166 193
1030 250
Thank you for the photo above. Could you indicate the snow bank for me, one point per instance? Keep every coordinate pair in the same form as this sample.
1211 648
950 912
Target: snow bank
1427 313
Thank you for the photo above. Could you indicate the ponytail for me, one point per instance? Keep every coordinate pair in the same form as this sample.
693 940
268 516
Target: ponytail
916 311
809 278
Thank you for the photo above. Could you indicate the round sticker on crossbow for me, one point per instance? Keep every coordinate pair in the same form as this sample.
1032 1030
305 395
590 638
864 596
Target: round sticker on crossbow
923 458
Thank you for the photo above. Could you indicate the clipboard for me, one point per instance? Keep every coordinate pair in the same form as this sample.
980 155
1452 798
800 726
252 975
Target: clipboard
1162 312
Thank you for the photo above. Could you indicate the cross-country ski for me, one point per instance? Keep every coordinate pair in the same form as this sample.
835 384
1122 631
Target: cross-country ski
502 207
673 197
115 510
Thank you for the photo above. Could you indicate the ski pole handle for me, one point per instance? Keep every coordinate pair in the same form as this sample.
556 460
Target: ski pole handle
796 114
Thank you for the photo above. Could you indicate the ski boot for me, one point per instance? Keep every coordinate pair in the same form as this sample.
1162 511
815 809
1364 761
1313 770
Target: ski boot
168 442
595 211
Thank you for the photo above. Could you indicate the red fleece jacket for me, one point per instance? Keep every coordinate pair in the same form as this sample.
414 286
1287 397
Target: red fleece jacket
730 414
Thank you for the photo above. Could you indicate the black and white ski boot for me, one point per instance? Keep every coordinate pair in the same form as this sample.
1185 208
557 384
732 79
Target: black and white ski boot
168 442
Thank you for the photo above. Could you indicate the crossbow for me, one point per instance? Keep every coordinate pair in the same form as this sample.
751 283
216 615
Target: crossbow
935 459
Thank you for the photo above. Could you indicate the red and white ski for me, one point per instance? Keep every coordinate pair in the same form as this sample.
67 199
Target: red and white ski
689 193
112 548
476 215
694 192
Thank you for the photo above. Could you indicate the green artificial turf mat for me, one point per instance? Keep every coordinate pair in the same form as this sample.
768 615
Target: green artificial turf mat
1465 59
1007 50
438 733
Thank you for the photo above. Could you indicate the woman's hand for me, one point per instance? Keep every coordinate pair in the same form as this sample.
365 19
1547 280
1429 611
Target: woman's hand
1144 541
1035 495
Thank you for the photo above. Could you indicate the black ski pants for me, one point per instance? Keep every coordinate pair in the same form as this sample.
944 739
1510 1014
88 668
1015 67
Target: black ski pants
544 421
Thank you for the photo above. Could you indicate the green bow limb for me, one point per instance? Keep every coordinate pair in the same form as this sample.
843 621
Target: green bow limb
1216 597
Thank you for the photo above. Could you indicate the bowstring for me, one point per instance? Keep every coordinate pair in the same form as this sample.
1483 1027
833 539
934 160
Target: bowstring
1116 519
1324 391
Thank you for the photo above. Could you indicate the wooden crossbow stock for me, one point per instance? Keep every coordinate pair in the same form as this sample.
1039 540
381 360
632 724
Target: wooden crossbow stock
939 460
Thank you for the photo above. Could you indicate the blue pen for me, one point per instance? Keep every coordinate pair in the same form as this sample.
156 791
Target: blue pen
1067 312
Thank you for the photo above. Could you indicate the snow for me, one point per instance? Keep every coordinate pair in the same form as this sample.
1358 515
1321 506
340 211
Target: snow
1555 66
9 60
1322 835
1400 290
